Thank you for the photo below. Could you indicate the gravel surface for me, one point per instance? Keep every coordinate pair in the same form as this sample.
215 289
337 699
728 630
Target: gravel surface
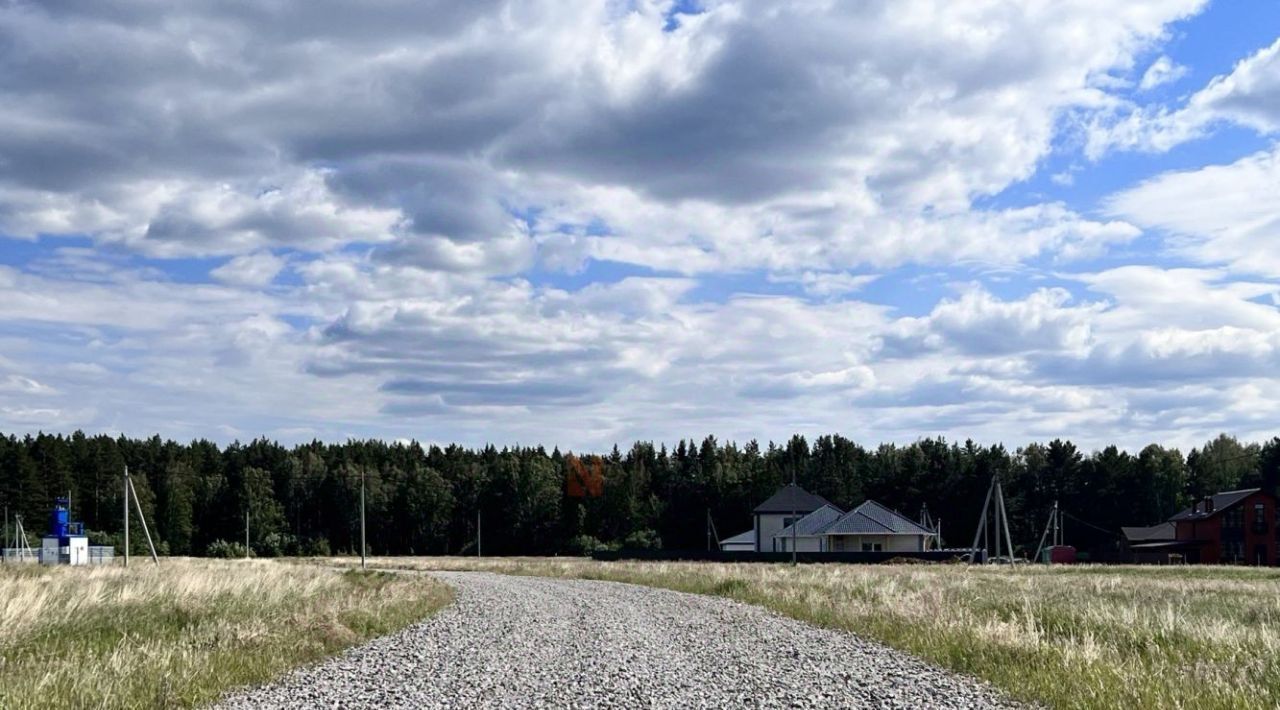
515 642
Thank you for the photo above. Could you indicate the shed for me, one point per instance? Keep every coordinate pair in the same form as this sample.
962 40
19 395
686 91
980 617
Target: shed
742 542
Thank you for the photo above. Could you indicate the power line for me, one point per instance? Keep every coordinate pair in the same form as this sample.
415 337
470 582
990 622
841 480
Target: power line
1086 522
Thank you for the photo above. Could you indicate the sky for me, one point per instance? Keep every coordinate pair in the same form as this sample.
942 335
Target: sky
575 224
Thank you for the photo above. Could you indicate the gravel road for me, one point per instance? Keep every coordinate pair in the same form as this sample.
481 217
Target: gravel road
515 642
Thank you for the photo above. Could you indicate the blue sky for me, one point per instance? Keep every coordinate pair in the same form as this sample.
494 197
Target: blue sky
524 222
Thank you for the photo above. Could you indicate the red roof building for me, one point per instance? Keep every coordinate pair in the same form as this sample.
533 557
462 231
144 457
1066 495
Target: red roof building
1234 527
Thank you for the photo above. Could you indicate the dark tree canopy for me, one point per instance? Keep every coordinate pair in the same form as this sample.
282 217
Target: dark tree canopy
305 499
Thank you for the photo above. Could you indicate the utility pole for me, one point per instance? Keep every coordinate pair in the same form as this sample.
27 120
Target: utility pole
246 532
477 532
126 516
981 533
795 515
1004 521
927 523
1050 531
145 530
362 545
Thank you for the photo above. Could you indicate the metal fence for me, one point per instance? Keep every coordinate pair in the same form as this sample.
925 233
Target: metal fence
16 555
98 555
953 555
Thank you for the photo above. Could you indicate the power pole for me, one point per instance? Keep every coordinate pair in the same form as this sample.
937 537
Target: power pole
927 522
20 540
362 545
1004 521
1051 530
981 533
246 532
477 532
795 515
146 531
126 516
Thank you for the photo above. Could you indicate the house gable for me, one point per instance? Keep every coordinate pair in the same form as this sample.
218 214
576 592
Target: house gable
791 499
871 518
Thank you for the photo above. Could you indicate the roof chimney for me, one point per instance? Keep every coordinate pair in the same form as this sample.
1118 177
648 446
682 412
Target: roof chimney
1208 504
1195 507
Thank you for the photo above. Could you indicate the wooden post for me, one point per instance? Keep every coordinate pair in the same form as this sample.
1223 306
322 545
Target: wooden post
1004 520
363 548
982 524
126 516
143 519
795 516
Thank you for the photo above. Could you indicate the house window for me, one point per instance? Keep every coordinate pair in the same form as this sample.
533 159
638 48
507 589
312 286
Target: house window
1259 518
1233 551
872 547
1233 518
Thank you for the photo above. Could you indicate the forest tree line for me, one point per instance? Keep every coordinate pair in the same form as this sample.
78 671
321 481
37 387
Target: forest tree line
430 499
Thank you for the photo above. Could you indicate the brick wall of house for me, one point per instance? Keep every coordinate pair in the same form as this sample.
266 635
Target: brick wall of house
1244 533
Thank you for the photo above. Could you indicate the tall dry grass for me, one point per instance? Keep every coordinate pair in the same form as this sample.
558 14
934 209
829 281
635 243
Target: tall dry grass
1071 637
184 632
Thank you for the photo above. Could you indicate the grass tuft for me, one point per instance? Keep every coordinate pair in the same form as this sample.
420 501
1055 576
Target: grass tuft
186 631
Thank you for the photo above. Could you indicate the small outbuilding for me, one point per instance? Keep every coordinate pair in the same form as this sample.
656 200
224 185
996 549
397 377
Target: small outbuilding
1148 545
742 542
66 543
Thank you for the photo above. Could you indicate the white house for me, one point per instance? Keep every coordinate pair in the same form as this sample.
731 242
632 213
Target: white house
788 505
793 515
807 532
870 527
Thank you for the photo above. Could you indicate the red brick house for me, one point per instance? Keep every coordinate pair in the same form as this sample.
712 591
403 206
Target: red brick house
1234 527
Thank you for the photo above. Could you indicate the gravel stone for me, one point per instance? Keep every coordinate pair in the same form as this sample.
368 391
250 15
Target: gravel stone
533 642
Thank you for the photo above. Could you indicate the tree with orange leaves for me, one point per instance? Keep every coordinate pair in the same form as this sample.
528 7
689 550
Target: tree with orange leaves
585 477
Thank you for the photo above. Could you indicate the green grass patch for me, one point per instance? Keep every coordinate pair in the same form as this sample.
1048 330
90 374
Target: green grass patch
184 633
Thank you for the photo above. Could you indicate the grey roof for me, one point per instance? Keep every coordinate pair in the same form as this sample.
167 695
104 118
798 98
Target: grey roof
744 538
1154 533
1166 545
814 523
1221 501
871 518
791 499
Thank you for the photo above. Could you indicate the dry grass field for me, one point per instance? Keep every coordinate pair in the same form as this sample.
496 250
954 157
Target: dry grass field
184 632
1070 637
